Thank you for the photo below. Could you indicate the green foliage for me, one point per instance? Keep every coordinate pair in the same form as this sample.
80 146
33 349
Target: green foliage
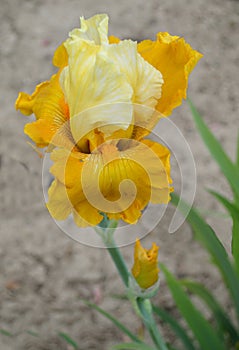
68 340
118 324
134 346
230 171
224 325
202 330
5 332
221 333
179 331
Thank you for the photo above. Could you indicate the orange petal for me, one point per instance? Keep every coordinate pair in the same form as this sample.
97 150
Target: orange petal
60 58
175 59
25 103
52 114
113 39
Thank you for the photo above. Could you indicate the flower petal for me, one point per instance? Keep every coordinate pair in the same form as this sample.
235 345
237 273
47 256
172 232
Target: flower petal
121 182
58 204
52 114
60 58
145 80
95 90
94 29
175 59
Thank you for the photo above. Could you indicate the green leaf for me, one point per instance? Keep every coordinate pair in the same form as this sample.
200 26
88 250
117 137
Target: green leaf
234 212
228 168
176 327
114 320
135 346
219 315
205 234
68 340
237 155
34 334
202 330
4 332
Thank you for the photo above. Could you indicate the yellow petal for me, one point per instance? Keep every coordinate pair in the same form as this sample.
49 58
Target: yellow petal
175 59
145 80
67 169
121 179
94 29
58 204
60 58
25 102
52 114
98 94
113 39
145 269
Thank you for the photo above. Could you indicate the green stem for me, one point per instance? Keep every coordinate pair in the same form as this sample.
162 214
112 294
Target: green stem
120 264
145 308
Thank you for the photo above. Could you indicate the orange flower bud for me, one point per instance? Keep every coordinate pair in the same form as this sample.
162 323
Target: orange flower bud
145 269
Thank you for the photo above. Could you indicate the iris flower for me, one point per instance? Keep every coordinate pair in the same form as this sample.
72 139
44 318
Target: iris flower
93 116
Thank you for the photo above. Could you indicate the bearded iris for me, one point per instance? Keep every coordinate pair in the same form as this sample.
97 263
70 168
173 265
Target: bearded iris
93 116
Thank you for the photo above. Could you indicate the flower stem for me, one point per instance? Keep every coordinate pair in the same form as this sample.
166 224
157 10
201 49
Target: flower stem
143 306
120 264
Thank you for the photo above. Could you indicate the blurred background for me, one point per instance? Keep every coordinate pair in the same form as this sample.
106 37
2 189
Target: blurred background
43 273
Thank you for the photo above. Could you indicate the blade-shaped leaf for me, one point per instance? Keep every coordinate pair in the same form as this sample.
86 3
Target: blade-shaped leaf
68 339
135 346
176 327
205 234
202 330
4 332
237 155
234 212
224 323
114 320
228 168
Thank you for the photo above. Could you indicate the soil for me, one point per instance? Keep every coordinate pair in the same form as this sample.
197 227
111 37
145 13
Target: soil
45 275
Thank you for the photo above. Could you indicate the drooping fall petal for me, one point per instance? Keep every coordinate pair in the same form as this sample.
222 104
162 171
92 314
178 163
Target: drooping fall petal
118 178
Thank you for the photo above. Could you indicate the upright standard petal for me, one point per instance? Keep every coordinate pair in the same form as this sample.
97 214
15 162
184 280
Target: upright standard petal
94 29
175 59
98 94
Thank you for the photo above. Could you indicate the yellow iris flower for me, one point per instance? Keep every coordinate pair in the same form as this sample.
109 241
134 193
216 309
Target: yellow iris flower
145 269
93 114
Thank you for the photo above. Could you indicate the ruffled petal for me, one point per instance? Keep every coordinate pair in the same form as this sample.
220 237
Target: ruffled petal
119 178
67 169
145 80
175 59
52 114
25 102
94 29
98 94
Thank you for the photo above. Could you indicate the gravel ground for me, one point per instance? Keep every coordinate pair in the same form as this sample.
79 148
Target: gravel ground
44 275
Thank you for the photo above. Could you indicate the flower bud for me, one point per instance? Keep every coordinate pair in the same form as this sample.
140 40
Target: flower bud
145 269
